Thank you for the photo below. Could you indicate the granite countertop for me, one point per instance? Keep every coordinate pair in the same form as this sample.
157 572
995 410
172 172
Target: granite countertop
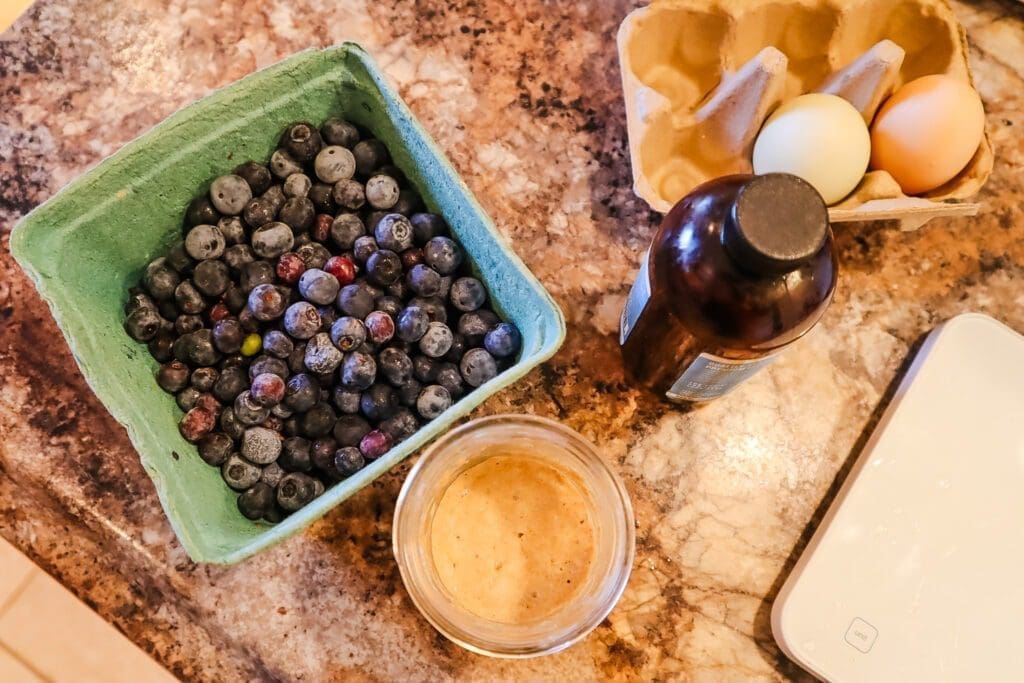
525 99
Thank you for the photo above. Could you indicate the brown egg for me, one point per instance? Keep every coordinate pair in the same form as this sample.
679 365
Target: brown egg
927 132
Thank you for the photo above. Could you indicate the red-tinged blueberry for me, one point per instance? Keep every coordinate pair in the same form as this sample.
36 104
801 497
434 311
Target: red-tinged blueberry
173 376
321 230
267 389
267 302
411 257
380 328
219 311
290 267
375 444
209 403
196 424
342 268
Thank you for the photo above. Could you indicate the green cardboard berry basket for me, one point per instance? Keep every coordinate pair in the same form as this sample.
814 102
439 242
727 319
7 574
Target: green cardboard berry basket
87 245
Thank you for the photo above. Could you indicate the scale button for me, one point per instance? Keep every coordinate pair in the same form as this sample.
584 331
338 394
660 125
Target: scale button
861 634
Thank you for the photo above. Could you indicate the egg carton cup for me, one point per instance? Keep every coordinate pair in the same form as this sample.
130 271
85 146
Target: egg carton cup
700 78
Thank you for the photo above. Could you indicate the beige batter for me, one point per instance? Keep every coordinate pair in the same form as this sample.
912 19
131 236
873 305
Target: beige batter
512 538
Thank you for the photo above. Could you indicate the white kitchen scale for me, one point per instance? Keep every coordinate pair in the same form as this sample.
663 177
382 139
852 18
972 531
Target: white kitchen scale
916 572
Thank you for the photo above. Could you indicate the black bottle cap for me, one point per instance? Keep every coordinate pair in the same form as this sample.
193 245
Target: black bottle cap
778 222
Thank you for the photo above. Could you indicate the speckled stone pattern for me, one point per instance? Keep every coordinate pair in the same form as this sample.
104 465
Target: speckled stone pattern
525 99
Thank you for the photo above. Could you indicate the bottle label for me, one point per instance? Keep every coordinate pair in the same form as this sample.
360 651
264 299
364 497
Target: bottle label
709 377
637 300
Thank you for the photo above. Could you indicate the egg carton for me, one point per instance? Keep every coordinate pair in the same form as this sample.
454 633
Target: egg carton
700 77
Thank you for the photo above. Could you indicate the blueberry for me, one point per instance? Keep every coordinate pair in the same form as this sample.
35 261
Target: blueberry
229 194
239 473
394 232
477 367
503 341
401 425
363 248
355 301
339 132
205 242
358 371
372 219
424 280
409 392
214 448
282 164
433 401
258 212
321 194
271 475
297 185
137 300
411 257
237 256
412 323
143 324
334 163
267 302
203 379
424 369
252 342
378 402
348 461
272 240
449 377
349 429
375 444
197 349
161 347
274 196
297 212
179 260
302 321
348 333
427 226
295 491
346 229
188 298
475 325
369 156
172 377
228 335
349 194
254 274
399 289
248 411
257 175
232 229
169 311
467 294
396 366
445 287
301 393
297 358
230 424
383 267
267 389
345 400
281 411
302 141
380 328
322 355
317 421
230 383
318 286
434 306
314 254
269 365
261 445
381 191
321 453
184 323
391 305
200 211
160 279
295 455
256 501
187 398
277 343
436 340
443 255
211 277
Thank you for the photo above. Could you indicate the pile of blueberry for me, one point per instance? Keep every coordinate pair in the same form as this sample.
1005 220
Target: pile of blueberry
313 316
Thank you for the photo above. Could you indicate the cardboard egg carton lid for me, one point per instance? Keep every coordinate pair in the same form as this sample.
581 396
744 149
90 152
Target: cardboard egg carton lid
700 77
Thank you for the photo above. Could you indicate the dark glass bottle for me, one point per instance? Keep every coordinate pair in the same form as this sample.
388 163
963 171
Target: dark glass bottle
740 268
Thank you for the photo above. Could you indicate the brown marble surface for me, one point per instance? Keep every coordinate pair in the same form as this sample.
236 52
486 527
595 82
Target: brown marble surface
525 99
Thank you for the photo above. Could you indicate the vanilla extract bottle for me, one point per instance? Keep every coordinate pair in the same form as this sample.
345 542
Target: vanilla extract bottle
739 269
